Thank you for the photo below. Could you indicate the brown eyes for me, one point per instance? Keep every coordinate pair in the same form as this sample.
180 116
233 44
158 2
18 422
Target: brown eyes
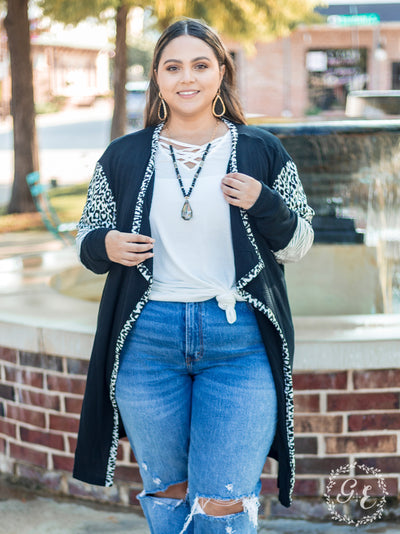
199 66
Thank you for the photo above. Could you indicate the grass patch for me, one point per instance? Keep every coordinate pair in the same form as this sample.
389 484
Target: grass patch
67 201
20 222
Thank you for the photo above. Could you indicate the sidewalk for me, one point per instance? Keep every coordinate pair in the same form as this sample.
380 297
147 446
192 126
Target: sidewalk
23 512
27 243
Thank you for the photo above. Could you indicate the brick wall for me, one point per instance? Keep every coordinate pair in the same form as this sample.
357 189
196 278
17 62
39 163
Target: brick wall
341 416
275 79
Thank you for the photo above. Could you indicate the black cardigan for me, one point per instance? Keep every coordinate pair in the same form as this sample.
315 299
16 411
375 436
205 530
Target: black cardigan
119 196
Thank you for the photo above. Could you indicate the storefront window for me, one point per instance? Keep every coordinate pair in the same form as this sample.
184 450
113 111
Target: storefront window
332 73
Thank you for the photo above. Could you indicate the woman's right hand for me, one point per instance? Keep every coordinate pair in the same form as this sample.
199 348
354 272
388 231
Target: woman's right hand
128 249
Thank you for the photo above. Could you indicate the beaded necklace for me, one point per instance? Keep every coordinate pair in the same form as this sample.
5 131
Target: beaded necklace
187 212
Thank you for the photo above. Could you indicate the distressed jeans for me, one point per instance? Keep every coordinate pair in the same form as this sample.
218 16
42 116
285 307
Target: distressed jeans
198 403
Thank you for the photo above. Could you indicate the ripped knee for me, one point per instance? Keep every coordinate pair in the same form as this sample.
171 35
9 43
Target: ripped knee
248 505
219 507
175 491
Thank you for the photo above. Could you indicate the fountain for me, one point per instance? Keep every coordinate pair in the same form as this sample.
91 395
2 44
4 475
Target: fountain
350 170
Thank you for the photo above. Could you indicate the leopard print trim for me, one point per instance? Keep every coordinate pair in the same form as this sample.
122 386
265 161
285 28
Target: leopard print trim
137 217
243 213
137 220
118 348
99 210
288 384
291 190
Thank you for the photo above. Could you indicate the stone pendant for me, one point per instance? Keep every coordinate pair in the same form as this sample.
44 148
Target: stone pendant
186 212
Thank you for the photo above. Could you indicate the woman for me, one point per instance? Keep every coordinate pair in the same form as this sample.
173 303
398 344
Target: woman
193 350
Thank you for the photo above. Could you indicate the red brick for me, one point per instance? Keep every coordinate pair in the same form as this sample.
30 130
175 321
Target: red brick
317 466
332 424
268 486
120 452
28 455
79 489
31 417
133 501
268 466
132 458
98 493
309 381
36 398
308 445
44 478
64 423
73 404
349 402
26 377
7 392
65 384
306 487
306 403
8 429
374 421
386 464
47 439
127 473
72 444
381 378
44 361
77 367
358 444
8 355
391 485
63 463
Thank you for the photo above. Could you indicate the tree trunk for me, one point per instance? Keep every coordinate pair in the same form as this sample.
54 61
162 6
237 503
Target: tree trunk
118 124
26 157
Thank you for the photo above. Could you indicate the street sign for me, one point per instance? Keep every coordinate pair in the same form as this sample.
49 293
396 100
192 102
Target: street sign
365 19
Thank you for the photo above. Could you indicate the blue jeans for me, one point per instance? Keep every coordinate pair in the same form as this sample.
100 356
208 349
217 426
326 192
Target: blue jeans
198 403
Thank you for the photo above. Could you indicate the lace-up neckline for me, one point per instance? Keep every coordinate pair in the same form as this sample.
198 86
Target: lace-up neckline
186 153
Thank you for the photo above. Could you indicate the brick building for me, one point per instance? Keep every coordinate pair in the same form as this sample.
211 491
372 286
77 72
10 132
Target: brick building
76 72
62 68
316 66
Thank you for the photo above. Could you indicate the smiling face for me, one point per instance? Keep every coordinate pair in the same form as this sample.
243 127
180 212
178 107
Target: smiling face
189 76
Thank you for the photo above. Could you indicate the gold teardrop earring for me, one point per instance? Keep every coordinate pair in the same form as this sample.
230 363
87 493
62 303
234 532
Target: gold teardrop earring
162 106
218 102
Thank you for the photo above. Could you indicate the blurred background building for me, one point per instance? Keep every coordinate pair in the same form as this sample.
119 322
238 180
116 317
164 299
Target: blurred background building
356 46
313 70
70 65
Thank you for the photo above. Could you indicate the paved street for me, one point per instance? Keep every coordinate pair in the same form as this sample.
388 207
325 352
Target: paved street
70 142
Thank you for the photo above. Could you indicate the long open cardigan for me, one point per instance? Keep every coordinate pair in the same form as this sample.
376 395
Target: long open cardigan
119 196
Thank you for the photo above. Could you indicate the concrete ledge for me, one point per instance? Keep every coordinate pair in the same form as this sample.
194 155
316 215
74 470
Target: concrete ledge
35 317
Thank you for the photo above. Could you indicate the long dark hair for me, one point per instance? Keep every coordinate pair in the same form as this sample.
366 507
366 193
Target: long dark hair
228 90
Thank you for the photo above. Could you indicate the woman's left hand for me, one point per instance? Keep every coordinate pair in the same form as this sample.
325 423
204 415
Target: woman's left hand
240 190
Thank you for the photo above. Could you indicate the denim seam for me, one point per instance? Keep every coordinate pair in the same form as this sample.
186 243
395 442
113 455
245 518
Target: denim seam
200 312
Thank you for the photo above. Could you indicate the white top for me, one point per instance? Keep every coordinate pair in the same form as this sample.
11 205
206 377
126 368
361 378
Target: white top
193 260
